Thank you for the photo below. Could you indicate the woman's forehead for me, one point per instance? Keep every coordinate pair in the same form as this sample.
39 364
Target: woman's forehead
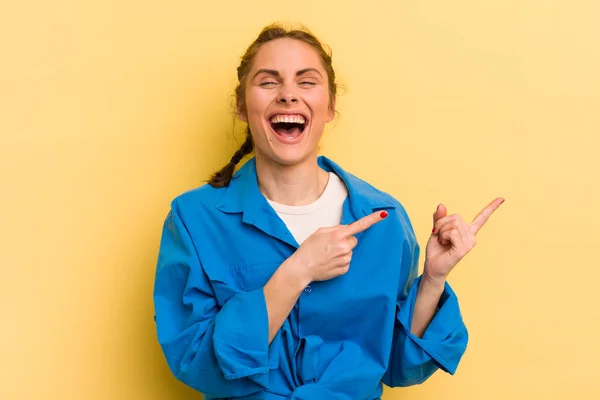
286 55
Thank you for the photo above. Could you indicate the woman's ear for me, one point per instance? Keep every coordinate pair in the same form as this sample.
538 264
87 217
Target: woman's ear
241 113
331 112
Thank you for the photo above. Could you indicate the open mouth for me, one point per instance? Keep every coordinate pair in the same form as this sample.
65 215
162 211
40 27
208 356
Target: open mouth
289 130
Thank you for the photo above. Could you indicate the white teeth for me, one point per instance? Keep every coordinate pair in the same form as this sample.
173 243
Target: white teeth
297 119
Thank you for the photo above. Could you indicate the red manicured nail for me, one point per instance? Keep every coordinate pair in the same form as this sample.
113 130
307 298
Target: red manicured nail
433 230
383 214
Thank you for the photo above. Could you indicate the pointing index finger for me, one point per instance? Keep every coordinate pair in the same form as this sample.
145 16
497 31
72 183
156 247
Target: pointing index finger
484 215
365 223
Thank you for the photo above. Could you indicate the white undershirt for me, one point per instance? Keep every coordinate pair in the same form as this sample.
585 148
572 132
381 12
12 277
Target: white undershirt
303 221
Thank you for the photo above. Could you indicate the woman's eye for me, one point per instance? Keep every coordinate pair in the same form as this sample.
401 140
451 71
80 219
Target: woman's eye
270 83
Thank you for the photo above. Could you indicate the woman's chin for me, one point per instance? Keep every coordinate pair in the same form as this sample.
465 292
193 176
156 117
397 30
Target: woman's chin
289 155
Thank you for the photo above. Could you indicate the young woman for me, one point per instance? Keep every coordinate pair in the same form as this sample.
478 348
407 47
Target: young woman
295 279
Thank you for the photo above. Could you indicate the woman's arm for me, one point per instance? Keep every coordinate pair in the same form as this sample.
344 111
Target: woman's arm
429 331
281 293
451 239
223 352
324 255
426 303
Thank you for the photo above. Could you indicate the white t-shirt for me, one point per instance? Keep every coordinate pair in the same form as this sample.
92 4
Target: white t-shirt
303 221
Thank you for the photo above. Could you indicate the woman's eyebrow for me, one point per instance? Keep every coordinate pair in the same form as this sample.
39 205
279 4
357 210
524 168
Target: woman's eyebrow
276 73
305 70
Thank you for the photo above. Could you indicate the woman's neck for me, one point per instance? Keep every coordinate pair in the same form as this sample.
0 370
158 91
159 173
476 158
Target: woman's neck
292 185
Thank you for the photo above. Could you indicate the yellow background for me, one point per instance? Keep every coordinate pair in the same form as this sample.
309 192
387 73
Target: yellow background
110 109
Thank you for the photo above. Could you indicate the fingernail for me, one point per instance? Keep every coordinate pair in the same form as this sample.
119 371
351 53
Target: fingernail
433 230
383 214
502 201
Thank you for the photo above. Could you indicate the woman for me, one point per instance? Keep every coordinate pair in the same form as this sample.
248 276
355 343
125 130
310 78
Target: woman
295 279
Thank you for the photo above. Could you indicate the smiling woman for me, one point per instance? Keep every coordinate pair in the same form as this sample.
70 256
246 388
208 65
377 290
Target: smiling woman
263 290
284 74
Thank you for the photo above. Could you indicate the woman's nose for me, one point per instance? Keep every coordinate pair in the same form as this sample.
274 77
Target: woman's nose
287 97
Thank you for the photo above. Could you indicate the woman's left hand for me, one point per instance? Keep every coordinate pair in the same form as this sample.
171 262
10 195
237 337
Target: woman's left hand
451 239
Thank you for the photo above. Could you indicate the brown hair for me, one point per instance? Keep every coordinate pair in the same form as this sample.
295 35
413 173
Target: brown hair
222 177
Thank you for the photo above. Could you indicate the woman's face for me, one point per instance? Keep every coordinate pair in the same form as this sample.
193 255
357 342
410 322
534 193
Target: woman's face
287 101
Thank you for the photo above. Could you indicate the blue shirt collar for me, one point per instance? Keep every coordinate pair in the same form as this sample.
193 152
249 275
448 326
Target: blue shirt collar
243 194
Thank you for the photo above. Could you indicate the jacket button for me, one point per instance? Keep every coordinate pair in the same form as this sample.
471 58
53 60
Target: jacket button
307 289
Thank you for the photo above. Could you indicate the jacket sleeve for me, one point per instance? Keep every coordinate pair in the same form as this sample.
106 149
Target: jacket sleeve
412 359
223 352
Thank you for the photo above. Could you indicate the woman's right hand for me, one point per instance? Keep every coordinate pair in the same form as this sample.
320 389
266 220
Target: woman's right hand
327 253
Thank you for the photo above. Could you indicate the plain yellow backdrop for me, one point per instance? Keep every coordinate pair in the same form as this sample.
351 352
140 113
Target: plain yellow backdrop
110 109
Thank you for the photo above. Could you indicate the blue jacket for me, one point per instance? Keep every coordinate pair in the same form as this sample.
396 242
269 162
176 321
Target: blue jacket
344 337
